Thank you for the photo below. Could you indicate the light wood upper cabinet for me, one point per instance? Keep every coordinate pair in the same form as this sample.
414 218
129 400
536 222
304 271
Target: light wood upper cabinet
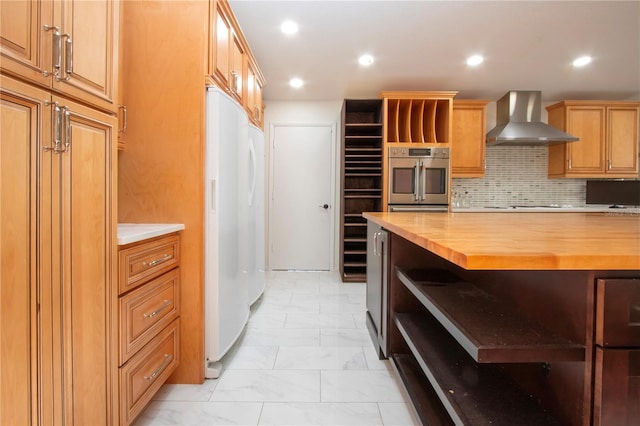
237 76
622 136
253 97
231 64
25 46
468 125
608 145
226 61
417 117
68 46
220 57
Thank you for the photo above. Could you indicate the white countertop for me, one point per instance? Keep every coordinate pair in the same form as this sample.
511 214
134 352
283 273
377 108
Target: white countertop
133 232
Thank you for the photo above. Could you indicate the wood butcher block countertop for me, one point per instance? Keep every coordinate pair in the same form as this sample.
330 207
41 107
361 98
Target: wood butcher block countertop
523 241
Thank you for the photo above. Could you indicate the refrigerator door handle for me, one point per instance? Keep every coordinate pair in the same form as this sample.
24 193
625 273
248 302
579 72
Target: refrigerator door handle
254 165
213 195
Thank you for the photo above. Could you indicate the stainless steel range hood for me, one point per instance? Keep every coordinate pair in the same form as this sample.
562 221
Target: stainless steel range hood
518 122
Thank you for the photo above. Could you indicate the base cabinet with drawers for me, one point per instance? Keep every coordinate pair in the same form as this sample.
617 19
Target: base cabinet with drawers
149 320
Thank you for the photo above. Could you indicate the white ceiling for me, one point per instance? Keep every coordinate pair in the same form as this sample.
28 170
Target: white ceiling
422 45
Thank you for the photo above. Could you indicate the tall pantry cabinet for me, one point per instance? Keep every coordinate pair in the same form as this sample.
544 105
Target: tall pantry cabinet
173 50
57 212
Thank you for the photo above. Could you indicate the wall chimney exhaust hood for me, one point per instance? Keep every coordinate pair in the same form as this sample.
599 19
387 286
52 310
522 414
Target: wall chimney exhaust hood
518 122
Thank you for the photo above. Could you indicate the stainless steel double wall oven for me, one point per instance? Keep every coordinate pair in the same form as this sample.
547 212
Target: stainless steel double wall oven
418 179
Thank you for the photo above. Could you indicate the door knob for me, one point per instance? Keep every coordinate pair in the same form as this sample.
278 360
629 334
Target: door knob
324 206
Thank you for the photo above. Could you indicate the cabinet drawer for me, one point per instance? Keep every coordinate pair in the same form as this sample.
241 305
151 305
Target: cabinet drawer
141 262
145 373
618 312
147 310
617 387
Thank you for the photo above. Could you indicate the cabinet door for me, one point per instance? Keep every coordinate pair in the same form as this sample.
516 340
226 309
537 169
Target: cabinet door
21 116
254 94
90 48
377 278
258 102
468 141
87 251
237 66
586 156
122 99
622 138
25 46
222 37
616 399
250 93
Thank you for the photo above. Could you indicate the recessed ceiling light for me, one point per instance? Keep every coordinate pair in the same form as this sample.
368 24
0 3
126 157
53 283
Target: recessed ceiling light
474 60
289 27
582 61
296 83
365 60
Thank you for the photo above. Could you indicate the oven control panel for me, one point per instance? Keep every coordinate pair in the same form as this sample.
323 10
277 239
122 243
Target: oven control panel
397 152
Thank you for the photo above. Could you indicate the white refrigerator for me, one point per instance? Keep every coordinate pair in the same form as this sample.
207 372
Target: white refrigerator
231 187
256 235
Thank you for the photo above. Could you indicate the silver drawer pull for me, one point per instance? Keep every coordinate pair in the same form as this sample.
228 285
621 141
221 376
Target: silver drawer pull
157 371
157 311
157 261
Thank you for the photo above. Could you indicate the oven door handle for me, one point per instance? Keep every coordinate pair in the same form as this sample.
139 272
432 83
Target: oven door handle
418 171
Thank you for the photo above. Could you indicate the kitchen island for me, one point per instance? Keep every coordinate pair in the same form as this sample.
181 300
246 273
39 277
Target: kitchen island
515 318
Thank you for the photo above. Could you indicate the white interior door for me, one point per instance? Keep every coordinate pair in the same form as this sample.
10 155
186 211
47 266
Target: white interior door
301 197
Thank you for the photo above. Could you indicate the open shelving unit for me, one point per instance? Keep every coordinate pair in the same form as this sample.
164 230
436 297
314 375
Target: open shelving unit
482 325
360 181
458 338
471 393
418 117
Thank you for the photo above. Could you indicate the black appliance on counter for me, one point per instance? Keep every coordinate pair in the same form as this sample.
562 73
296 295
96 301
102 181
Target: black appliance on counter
613 192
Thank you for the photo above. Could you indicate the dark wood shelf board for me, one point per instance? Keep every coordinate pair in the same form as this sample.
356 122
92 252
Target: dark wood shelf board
363 175
354 278
363 124
483 325
359 252
355 264
362 196
355 240
424 398
472 393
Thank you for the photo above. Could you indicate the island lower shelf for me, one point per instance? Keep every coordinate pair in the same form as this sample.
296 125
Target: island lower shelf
488 330
471 393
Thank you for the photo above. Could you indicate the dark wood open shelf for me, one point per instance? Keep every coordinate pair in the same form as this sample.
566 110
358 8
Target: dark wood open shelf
483 325
360 178
424 398
471 393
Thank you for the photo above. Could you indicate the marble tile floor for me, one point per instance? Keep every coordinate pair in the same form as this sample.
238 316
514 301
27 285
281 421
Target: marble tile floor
305 358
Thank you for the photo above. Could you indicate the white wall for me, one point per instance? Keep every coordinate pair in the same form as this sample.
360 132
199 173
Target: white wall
325 112
504 183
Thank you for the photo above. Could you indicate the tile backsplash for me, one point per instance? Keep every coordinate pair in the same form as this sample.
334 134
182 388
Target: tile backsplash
517 175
